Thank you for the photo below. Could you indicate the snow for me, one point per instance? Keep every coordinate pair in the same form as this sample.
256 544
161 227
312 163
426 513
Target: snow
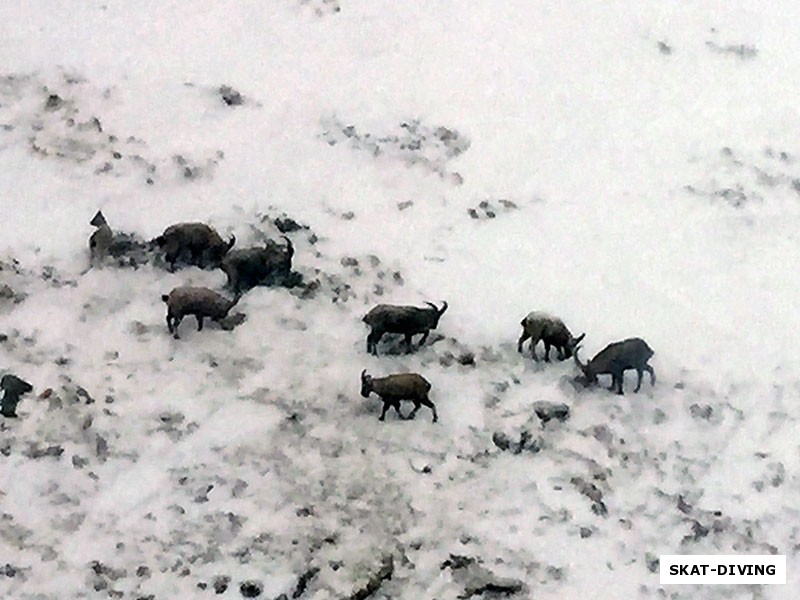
641 165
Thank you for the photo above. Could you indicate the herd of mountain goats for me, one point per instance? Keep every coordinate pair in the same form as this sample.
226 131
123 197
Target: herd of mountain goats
198 244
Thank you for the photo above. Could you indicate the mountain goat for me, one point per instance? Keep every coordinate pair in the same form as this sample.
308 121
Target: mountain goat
100 241
615 359
552 331
407 320
193 244
250 267
126 250
198 301
394 388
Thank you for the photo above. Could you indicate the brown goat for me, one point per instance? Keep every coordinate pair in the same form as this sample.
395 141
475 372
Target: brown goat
552 331
197 301
193 244
400 386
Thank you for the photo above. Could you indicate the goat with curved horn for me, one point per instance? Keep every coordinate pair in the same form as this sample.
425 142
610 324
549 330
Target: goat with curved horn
406 320
615 359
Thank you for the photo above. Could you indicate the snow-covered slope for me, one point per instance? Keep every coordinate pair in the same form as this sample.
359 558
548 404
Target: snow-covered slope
631 168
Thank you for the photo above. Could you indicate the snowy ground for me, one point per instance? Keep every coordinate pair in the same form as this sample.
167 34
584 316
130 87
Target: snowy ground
632 168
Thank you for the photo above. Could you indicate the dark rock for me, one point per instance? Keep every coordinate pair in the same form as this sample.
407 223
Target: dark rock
303 581
230 96
35 451
287 225
101 448
221 583
106 571
251 589
594 493
526 442
8 570
683 506
547 411
54 102
466 359
384 573
586 532
143 571
477 580
701 411
699 531
501 440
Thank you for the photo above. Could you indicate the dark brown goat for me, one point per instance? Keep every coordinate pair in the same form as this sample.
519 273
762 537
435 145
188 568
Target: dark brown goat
193 244
198 301
407 320
552 331
392 389
249 267
615 359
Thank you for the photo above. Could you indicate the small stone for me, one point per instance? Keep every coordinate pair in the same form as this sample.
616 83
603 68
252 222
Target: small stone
251 589
221 584
501 440
466 359
54 102
287 225
230 96
547 411
586 532
701 411
8 570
